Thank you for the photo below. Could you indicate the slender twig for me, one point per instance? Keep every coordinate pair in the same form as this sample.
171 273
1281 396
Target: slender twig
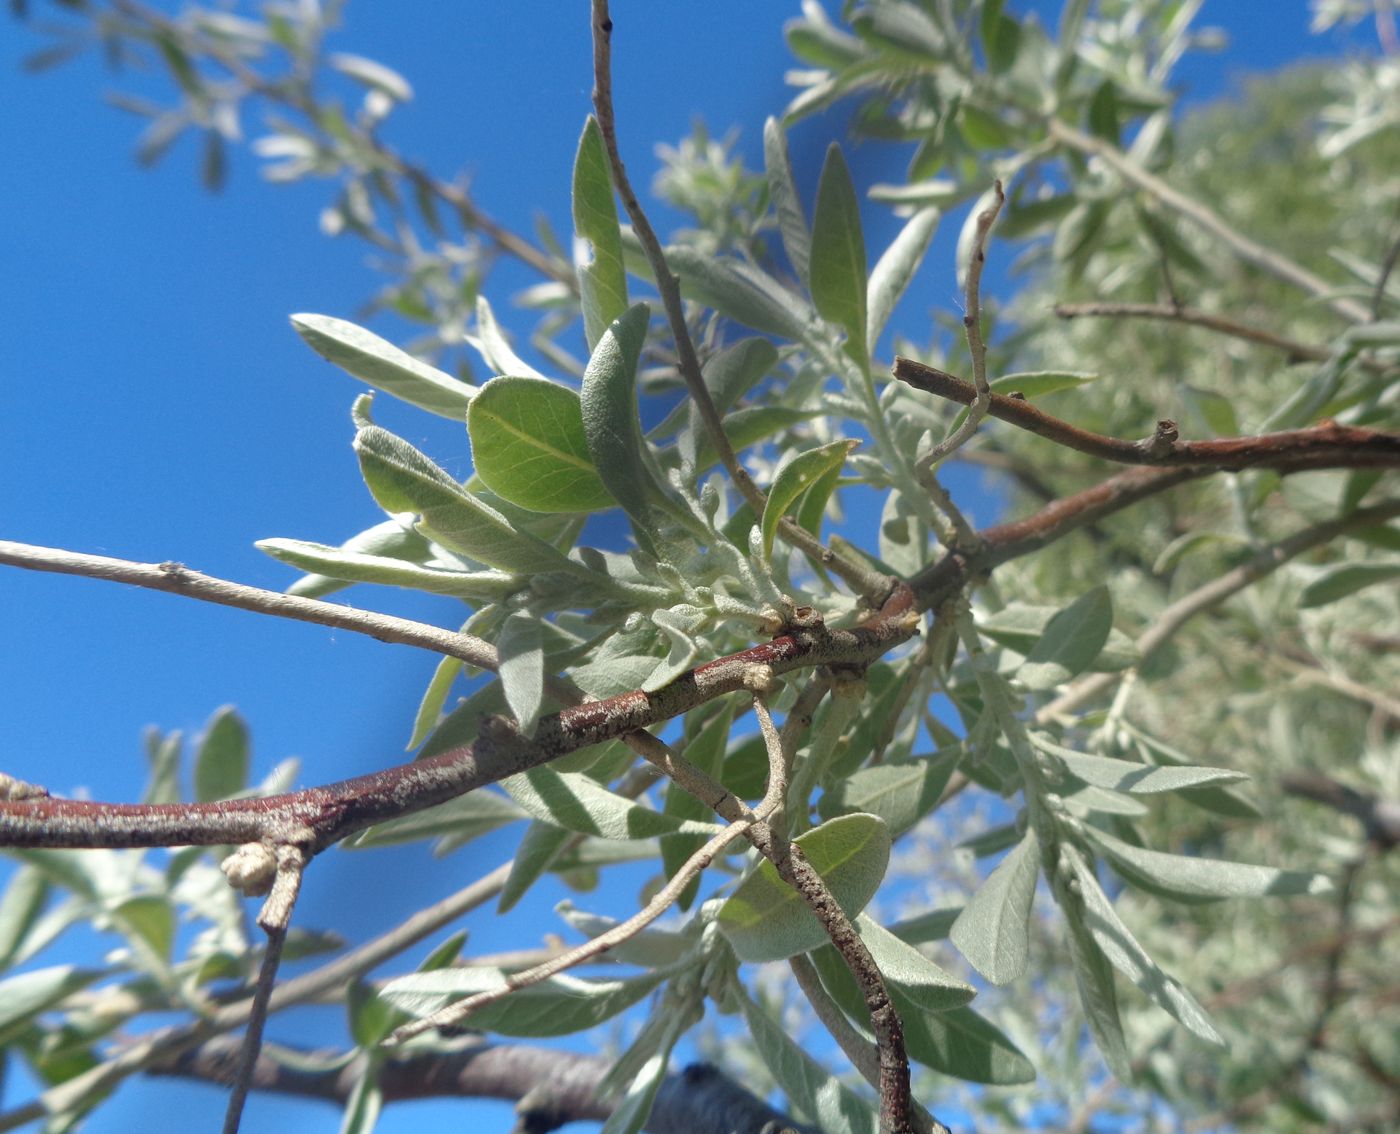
274 919
1173 313
624 931
1251 252
1326 445
179 579
867 582
1264 562
972 325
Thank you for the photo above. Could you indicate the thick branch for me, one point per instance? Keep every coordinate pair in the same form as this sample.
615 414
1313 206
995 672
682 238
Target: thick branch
317 817
561 1086
1327 445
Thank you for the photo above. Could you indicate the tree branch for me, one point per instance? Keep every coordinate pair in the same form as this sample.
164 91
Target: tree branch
178 579
1327 445
561 1086
1265 259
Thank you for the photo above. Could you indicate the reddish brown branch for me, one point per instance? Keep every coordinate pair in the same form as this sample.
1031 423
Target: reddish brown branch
1327 445
317 817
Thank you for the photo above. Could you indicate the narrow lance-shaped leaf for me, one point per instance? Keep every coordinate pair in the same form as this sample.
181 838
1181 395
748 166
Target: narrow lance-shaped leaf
610 421
1130 958
529 446
894 269
602 281
577 802
993 931
811 1087
521 648
221 762
384 366
838 268
340 567
1196 879
1346 579
1137 779
795 478
792 221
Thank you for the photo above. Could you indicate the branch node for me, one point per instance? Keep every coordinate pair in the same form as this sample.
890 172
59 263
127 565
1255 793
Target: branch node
251 869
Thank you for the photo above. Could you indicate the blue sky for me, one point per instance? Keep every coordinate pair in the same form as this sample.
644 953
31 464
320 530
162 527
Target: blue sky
155 404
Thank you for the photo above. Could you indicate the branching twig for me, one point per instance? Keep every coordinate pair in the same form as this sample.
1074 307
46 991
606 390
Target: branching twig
867 582
179 579
1173 313
1265 259
1326 445
972 324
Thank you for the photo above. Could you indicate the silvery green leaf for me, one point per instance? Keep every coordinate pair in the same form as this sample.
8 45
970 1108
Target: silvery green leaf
221 760
650 948
792 221
1130 958
455 822
838 272
1193 879
520 645
765 919
1136 779
993 931
900 792
897 266
538 849
1071 642
558 1006
341 567
745 293
602 281
493 346
384 366
577 802
403 480
812 1088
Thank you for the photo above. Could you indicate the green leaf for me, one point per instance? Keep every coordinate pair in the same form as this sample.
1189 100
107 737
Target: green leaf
766 920
794 478
536 851
364 1104
745 293
1345 579
1193 879
26 995
1131 959
838 267
955 1041
923 984
899 792
455 823
577 802
371 359
493 346
434 698
529 447
610 421
1037 383
993 931
343 566
747 427
1098 996
558 1006
520 645
1136 779
20 912
896 267
603 282
221 760
734 371
1071 642
792 221
403 480
1001 37
810 1087
150 920
1103 113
